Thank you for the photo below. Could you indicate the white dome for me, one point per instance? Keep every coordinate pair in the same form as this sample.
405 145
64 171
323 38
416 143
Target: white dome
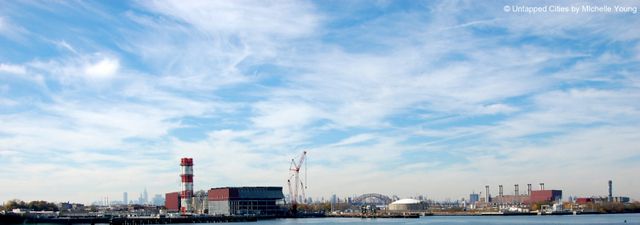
406 201
407 205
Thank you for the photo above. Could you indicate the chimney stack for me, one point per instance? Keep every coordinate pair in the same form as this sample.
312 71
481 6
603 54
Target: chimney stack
500 192
187 185
486 193
529 189
610 190
516 189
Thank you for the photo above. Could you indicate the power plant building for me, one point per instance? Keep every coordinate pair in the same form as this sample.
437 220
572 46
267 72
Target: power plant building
528 197
228 201
545 196
258 201
609 198
514 199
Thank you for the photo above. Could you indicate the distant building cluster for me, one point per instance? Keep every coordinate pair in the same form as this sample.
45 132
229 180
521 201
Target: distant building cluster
600 200
516 199
541 197
269 201
540 200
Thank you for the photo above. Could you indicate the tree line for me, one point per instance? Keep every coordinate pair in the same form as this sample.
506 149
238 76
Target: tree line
32 205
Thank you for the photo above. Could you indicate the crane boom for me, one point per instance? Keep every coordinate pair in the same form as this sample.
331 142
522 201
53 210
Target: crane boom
294 169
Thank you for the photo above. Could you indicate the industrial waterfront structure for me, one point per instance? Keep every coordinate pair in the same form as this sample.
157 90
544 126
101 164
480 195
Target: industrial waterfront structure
225 201
269 201
545 196
258 201
407 205
610 198
232 201
516 199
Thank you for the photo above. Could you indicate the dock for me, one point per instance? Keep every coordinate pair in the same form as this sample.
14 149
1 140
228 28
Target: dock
373 216
126 220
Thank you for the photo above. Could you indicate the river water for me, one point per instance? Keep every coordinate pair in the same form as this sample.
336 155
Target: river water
448 220
479 220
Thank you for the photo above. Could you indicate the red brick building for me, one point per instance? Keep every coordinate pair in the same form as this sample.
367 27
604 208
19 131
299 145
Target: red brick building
545 196
172 201
584 200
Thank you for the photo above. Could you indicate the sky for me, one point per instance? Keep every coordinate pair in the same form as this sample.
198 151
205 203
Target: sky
405 98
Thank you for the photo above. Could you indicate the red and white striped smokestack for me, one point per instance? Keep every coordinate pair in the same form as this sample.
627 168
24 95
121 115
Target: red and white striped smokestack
187 184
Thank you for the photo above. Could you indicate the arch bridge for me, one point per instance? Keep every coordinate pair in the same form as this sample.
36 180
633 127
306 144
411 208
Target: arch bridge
377 198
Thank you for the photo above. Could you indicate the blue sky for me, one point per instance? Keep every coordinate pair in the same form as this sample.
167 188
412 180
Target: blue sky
406 98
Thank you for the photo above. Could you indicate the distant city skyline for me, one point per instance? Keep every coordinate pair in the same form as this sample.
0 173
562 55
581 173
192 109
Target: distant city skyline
405 98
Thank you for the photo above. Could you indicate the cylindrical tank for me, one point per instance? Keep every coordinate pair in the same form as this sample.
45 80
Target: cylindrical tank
407 205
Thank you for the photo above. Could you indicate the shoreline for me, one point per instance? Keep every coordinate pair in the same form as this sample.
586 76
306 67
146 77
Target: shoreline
14 219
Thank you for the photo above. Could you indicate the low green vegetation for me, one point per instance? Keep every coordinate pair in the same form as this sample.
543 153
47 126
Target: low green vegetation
33 205
618 207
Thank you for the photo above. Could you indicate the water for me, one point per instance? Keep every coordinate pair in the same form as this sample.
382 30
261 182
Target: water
448 220
479 220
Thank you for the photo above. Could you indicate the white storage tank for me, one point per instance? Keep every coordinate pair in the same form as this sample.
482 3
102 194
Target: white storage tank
407 205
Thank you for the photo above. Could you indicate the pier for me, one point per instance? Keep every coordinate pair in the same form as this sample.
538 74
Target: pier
5 219
358 215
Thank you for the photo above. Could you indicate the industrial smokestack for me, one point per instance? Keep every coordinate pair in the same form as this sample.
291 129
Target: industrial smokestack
187 184
516 189
486 193
500 192
529 189
541 186
610 190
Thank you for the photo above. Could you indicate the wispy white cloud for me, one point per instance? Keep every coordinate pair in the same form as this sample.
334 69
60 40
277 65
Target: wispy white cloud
65 45
557 110
14 69
78 70
7 102
287 114
10 30
103 68
246 18
354 140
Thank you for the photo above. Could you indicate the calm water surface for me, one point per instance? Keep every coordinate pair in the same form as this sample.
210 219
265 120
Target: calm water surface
581 219
480 220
